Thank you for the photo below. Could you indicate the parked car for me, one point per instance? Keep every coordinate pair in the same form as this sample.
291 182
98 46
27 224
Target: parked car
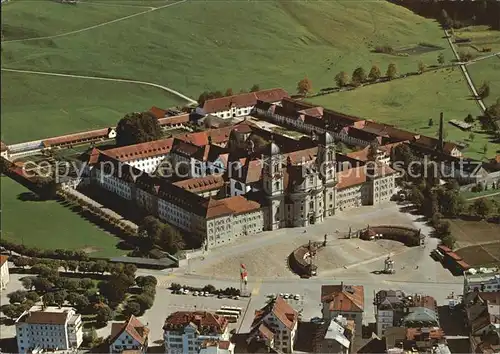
297 297
286 296
186 291
207 294
220 296
236 297
195 293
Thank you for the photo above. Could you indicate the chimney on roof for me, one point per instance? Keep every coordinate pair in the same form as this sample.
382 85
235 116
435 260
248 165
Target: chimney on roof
441 138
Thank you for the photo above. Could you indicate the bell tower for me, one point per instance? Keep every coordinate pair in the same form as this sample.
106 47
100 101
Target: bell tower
327 166
273 183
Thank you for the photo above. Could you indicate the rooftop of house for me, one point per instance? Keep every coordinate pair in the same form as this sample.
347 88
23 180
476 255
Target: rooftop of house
232 205
49 315
142 150
243 100
281 310
421 314
342 297
419 334
206 322
201 184
133 327
71 138
3 259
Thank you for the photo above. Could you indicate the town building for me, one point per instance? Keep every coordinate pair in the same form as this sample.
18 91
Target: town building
482 312
50 328
130 335
389 309
186 332
217 347
4 271
335 336
275 326
240 105
481 279
4 150
344 300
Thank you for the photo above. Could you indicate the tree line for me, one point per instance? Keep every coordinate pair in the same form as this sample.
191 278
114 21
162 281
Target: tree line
89 296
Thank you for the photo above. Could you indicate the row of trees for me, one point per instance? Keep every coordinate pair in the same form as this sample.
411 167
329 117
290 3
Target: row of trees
359 75
80 293
208 95
36 252
98 267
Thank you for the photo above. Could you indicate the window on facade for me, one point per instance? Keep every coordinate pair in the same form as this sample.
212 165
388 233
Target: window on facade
276 185
311 204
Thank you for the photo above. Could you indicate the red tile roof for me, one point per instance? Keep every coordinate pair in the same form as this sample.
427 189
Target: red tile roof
183 118
215 323
444 249
3 259
343 297
133 327
232 205
281 310
72 138
351 177
141 151
243 100
158 112
217 136
201 184
454 256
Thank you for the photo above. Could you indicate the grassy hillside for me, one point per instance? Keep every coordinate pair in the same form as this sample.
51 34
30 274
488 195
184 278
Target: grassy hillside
36 106
195 45
410 103
50 225
487 70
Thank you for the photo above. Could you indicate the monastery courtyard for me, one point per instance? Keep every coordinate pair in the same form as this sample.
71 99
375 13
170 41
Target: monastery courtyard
265 255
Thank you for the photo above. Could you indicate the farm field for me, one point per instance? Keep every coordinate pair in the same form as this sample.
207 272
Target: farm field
280 43
469 233
49 225
27 19
481 255
480 37
409 103
61 105
487 70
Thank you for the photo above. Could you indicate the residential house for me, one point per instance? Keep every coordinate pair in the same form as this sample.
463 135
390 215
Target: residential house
129 335
344 300
217 347
240 105
389 309
50 328
275 326
4 271
185 332
335 336
481 279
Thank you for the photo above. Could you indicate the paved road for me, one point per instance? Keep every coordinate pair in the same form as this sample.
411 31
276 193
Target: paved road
96 26
482 58
484 196
164 88
463 67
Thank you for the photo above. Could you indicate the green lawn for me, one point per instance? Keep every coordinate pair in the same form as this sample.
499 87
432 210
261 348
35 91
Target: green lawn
487 70
198 45
49 225
27 19
409 103
480 37
59 105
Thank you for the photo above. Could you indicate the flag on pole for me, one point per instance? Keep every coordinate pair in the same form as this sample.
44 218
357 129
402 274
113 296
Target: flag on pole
243 273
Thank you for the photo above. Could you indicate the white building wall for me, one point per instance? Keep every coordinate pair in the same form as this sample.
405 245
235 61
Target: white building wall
357 317
385 318
49 336
4 275
113 184
124 342
188 341
147 164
